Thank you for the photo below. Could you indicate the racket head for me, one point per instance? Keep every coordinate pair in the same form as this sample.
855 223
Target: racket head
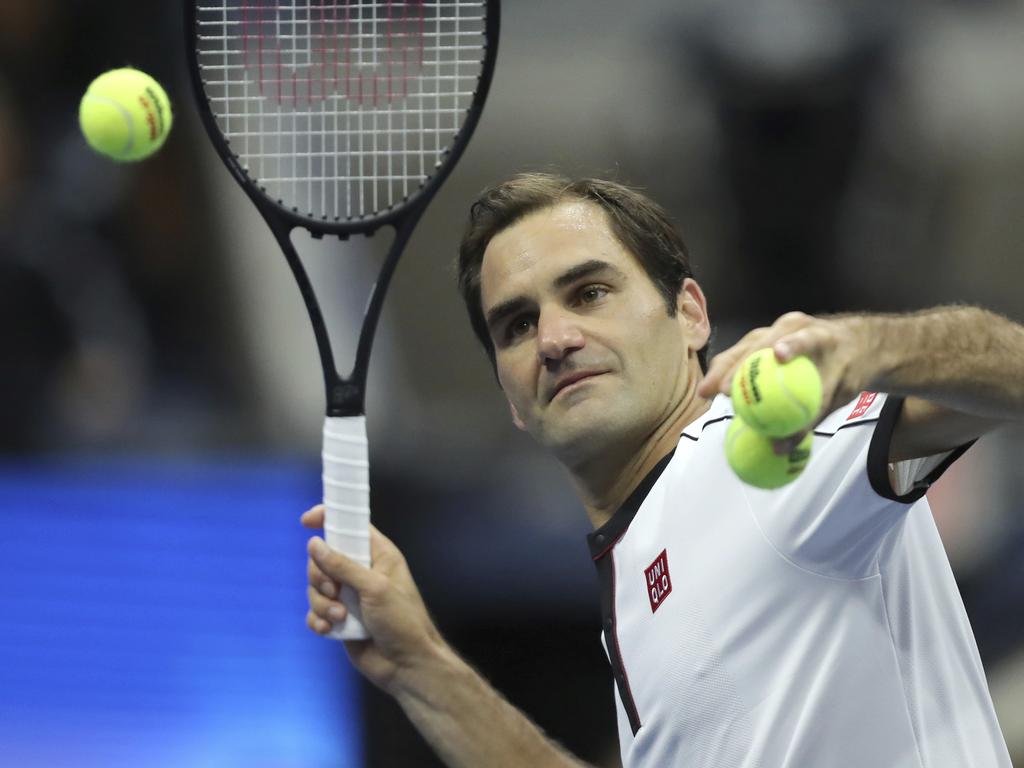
341 116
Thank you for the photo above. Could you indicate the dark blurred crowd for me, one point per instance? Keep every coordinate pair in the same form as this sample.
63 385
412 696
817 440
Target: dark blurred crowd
112 333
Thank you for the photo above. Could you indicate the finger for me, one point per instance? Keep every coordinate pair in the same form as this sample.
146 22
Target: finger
717 371
725 387
811 341
337 567
793 319
313 517
318 625
318 579
706 388
786 445
726 373
329 610
793 345
723 366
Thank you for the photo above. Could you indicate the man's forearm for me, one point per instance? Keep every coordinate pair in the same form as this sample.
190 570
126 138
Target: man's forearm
965 358
470 724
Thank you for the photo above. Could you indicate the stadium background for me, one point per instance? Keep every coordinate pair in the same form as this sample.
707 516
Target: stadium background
160 398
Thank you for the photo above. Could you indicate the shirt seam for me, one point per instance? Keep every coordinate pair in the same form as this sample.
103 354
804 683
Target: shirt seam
899 671
790 560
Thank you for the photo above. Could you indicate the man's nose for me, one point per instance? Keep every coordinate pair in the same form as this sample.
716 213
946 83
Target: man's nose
558 334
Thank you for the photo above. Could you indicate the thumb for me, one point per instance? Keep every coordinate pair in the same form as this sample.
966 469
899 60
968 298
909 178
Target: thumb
381 545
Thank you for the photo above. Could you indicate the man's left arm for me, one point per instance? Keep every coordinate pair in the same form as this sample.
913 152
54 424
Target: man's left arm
959 368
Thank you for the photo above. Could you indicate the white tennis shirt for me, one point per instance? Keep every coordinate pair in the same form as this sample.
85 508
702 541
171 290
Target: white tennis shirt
815 626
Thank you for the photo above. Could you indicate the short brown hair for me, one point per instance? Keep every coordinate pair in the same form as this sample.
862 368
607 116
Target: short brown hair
641 226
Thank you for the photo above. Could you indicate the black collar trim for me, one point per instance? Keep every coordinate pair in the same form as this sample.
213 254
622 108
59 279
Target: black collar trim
602 539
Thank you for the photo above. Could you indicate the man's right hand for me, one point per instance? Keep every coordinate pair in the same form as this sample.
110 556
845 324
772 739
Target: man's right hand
402 636
460 715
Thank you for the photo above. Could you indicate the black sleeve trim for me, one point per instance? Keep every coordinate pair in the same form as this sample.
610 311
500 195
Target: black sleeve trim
878 457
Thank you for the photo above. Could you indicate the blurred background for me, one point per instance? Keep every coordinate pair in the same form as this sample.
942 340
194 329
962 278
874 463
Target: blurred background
160 396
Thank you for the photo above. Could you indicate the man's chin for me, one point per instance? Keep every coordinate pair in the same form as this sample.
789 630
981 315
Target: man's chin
581 441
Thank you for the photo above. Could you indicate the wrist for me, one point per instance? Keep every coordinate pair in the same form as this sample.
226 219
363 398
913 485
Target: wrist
422 677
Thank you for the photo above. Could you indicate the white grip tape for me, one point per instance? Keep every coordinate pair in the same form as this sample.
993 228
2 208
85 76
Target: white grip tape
347 501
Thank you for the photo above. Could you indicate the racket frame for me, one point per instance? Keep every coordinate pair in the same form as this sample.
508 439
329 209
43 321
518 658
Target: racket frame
345 396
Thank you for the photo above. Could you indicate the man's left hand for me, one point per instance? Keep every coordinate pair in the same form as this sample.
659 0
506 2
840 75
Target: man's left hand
837 345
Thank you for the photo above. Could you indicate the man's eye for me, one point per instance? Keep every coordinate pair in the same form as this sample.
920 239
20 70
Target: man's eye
518 327
592 293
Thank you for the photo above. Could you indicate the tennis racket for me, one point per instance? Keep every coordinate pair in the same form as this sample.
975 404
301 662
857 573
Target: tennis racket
342 117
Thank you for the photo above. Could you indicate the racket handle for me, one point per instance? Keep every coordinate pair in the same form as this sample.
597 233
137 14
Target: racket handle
347 501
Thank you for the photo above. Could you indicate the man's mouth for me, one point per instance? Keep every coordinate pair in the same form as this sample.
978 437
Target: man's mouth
573 379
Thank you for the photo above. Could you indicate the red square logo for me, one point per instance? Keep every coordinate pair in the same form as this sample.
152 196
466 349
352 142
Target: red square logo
866 399
659 585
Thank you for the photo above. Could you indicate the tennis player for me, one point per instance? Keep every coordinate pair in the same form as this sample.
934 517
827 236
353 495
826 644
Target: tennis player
815 625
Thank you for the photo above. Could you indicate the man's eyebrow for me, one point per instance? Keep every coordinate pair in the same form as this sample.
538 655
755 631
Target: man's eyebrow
586 269
511 307
517 304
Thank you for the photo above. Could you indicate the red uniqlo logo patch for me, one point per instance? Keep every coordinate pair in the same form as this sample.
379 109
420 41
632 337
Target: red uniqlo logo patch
659 585
866 399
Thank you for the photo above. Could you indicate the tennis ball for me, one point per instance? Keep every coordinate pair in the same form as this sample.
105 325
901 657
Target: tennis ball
752 459
125 115
776 399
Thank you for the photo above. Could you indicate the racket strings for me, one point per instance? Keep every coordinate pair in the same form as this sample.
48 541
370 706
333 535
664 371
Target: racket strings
340 110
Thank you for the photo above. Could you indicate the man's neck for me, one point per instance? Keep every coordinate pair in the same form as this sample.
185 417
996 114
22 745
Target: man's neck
604 487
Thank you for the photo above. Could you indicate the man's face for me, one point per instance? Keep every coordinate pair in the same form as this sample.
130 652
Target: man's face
586 351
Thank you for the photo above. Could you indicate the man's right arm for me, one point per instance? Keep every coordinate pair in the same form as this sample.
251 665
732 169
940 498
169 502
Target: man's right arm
461 716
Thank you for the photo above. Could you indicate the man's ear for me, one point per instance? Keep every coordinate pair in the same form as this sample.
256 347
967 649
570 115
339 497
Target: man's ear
692 309
515 417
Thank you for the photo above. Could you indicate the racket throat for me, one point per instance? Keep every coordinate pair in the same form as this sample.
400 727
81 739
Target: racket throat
345 398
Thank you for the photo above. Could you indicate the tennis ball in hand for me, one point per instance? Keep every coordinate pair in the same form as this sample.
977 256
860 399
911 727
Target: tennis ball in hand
776 399
125 115
752 459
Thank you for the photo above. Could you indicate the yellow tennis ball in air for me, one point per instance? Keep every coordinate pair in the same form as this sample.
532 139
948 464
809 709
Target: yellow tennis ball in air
125 115
776 399
752 459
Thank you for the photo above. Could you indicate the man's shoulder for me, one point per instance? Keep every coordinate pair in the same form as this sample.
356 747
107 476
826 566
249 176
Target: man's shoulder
718 413
862 410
